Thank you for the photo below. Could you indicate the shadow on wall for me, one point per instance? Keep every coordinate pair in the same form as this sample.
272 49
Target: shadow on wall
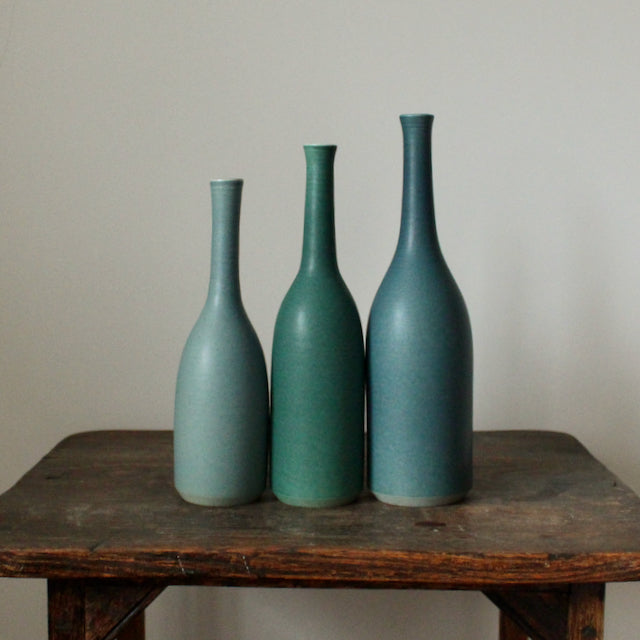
317 614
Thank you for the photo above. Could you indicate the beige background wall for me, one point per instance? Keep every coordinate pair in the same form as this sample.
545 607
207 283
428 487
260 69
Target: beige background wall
115 115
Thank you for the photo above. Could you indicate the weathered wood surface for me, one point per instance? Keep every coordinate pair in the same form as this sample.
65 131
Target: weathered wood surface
543 511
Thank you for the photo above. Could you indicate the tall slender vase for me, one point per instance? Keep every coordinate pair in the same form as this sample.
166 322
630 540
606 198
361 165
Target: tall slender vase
222 399
419 346
318 364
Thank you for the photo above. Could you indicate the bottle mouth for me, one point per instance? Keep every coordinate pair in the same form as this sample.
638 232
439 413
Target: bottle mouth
324 153
417 122
314 145
226 182
416 116
416 119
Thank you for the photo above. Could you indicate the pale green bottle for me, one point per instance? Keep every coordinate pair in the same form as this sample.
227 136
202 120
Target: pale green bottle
318 366
222 398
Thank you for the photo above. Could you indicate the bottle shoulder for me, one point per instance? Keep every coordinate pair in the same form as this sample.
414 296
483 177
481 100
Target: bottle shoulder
422 290
320 307
318 292
222 326
415 274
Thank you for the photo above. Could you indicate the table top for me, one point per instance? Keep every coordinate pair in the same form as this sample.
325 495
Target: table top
542 511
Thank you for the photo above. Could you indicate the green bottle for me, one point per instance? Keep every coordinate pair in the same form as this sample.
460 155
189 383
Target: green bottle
318 366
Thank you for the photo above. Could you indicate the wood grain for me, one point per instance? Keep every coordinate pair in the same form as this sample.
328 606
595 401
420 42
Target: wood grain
543 511
573 613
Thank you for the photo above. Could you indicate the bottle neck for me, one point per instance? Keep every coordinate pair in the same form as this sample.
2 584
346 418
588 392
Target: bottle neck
224 283
418 225
319 242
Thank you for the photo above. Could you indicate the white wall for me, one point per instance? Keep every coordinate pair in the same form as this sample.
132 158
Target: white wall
115 115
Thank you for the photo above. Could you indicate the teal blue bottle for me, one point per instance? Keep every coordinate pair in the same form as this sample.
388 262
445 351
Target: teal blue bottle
419 350
318 366
222 398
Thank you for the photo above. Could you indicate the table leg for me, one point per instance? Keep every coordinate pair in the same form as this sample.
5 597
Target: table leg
66 610
586 612
575 612
509 630
135 629
98 609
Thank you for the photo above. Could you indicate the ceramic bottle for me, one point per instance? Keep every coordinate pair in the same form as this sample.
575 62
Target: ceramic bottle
318 364
419 350
222 399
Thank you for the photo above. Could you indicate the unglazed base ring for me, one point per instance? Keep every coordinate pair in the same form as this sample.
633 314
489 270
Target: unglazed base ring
419 501
209 501
313 503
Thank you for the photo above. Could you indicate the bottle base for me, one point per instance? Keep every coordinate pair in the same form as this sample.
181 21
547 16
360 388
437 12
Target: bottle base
217 501
313 503
419 501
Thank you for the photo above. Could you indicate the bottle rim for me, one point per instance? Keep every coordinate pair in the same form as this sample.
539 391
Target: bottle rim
226 181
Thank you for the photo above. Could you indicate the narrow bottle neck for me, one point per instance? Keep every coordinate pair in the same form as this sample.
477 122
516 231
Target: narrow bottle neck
224 283
418 225
319 243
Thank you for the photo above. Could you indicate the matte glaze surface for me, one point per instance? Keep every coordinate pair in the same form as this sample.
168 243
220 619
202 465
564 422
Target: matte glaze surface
222 398
318 364
419 349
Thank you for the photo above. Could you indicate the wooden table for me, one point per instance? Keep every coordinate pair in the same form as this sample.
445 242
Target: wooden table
545 527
